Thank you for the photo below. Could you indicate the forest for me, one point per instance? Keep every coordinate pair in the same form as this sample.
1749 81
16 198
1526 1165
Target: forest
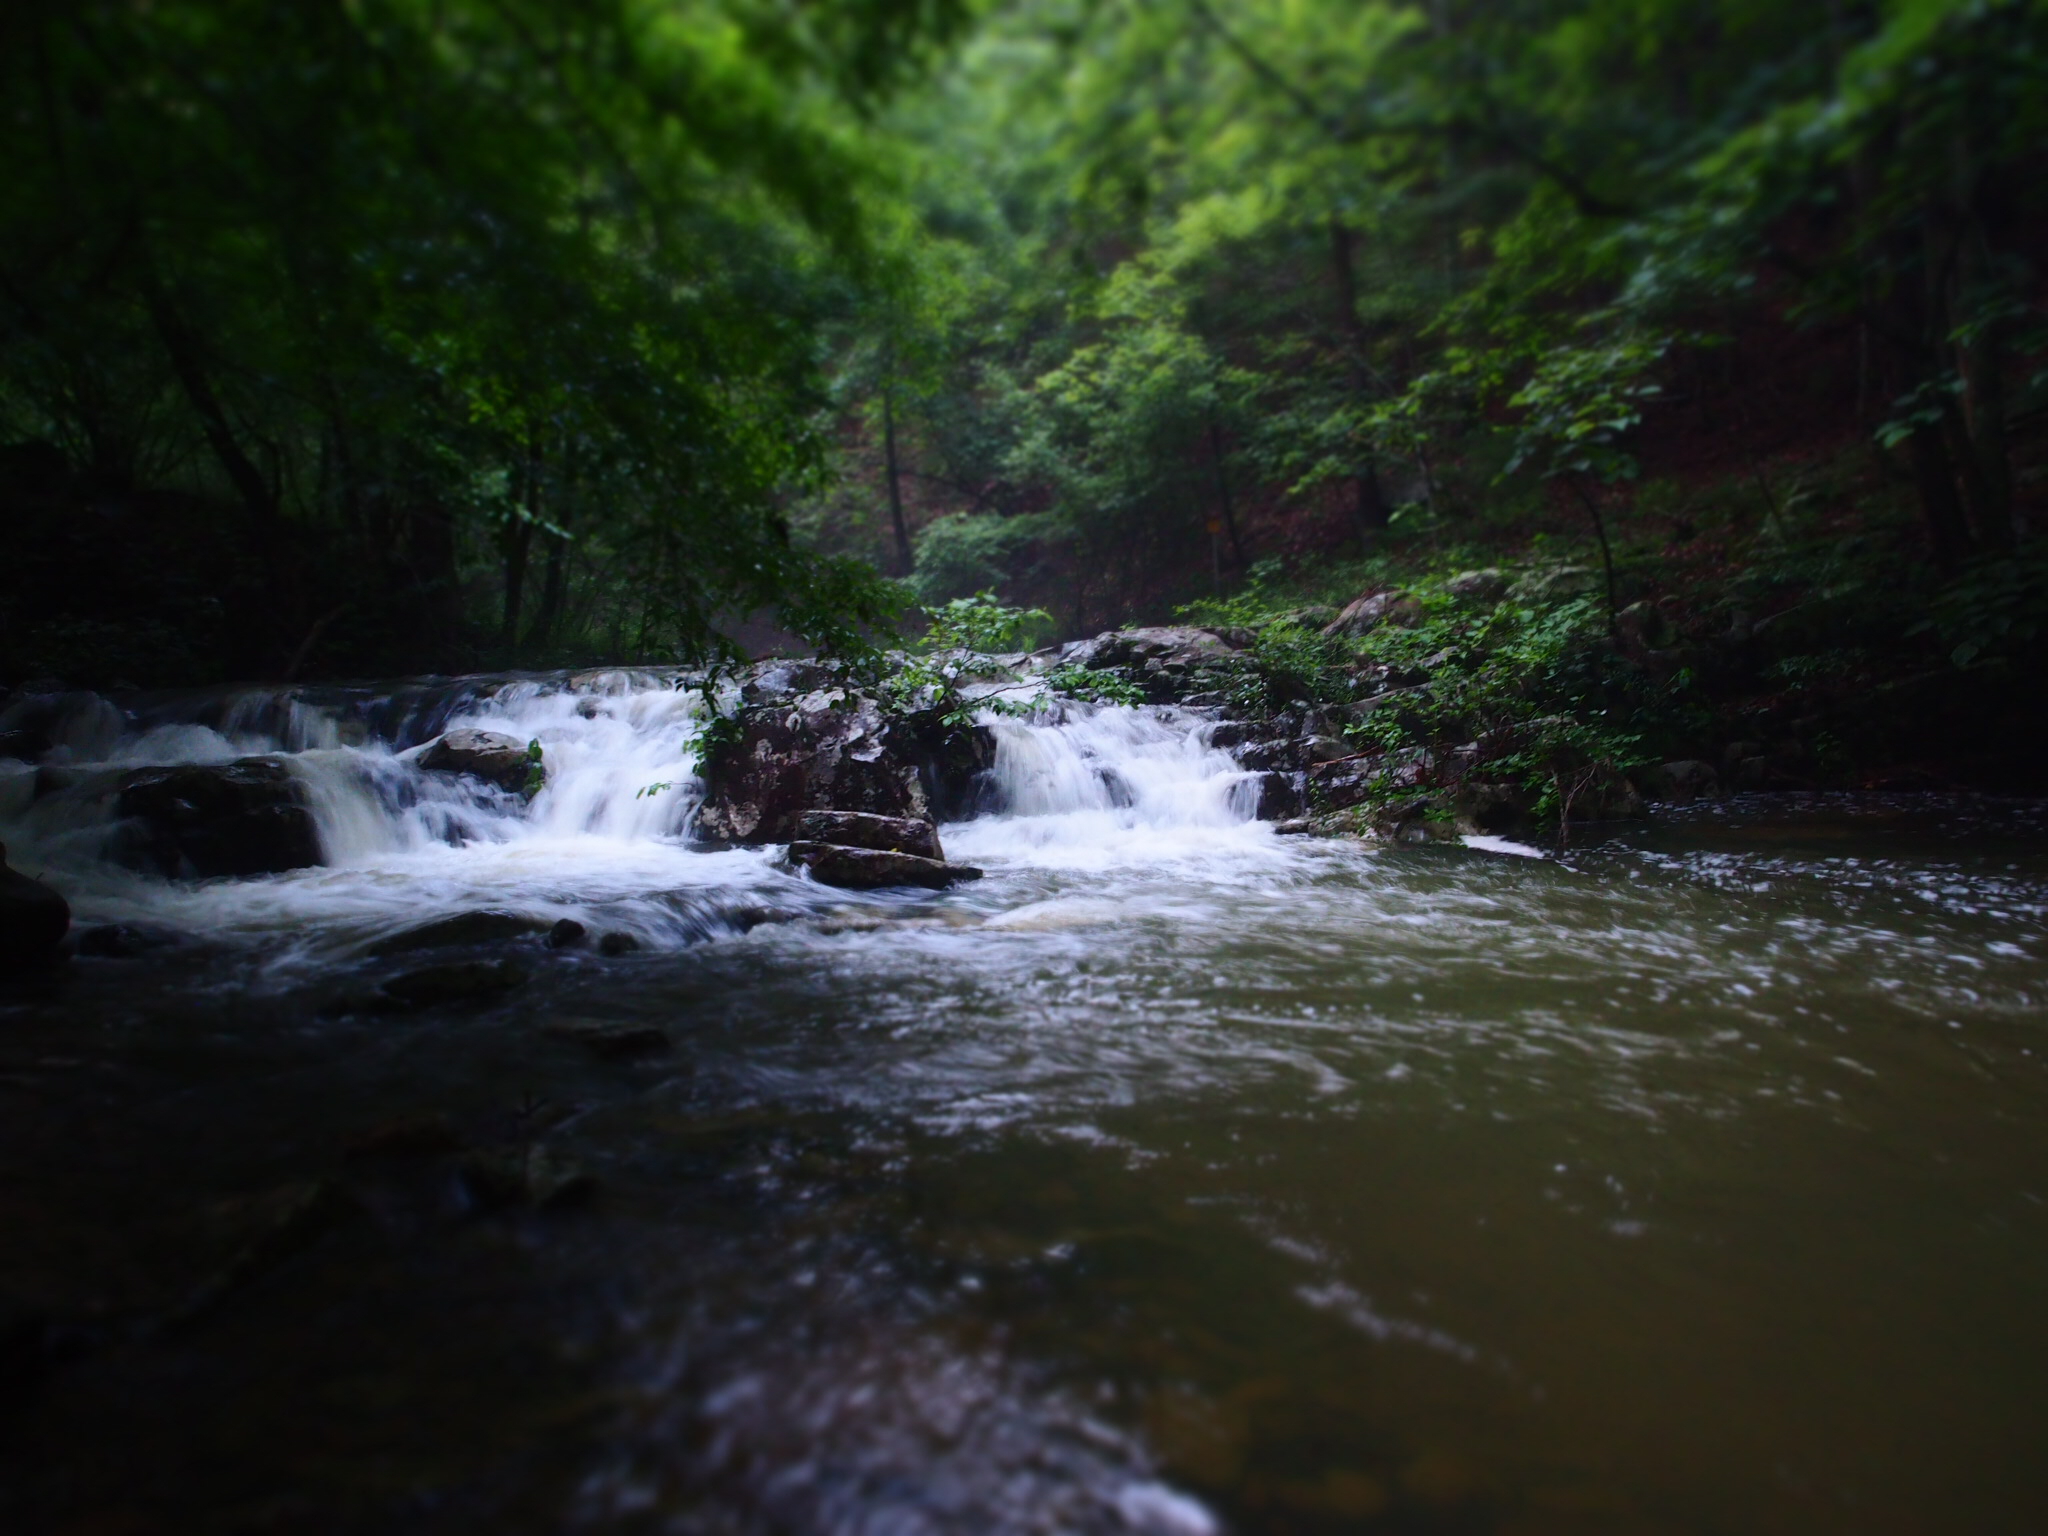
1023 767
373 338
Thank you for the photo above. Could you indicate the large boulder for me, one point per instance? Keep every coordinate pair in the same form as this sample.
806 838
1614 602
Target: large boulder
242 818
1483 586
1165 645
1368 613
1556 584
863 829
1280 796
491 756
870 868
1168 662
1682 782
832 749
33 920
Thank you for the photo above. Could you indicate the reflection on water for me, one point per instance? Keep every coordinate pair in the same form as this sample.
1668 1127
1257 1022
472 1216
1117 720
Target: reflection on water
1175 1177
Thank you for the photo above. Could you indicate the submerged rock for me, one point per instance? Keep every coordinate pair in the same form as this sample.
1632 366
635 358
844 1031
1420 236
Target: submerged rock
613 1041
425 1135
524 1175
474 982
487 927
33 920
247 817
616 943
871 868
488 755
567 934
863 829
125 941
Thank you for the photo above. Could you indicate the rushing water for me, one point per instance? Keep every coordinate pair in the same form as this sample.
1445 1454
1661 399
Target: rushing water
1176 1177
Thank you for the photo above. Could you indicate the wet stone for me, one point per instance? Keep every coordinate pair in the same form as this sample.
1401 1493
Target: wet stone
611 1041
125 941
242 818
616 943
33 920
862 829
567 934
411 1136
488 755
872 869
1280 796
473 982
488 927
524 1176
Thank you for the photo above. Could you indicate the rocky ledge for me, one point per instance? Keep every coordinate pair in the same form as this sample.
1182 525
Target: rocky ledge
805 740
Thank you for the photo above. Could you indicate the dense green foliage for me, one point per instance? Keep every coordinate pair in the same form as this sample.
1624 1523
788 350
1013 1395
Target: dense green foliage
313 314
1217 280
378 334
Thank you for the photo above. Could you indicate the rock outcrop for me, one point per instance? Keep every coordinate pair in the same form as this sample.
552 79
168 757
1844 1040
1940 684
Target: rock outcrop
247 817
1479 587
33 921
488 755
833 749
1170 663
1368 613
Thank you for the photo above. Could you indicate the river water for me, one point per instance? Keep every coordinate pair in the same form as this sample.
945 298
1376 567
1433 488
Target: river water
1176 1177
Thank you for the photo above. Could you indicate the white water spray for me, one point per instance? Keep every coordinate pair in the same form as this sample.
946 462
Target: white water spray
1078 787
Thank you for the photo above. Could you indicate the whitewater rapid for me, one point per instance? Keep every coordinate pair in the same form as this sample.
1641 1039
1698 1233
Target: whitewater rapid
606 842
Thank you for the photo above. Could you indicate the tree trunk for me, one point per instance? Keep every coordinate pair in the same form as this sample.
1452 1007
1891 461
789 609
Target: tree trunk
430 540
1606 552
1981 361
1909 323
1369 507
894 472
554 589
1223 492
183 349
517 543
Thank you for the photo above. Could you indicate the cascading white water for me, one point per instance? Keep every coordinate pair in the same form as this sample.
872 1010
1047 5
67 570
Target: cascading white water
601 842
1093 786
1076 787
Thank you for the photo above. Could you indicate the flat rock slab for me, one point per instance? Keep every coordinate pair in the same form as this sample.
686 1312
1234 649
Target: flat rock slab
863 869
863 829
488 755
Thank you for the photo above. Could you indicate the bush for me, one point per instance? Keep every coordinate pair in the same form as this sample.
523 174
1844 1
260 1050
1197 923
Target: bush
964 553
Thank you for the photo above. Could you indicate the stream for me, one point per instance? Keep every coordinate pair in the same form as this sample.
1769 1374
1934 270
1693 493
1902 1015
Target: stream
1176 1177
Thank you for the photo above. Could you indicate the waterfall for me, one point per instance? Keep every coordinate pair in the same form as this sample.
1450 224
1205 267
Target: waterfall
1073 785
1088 786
